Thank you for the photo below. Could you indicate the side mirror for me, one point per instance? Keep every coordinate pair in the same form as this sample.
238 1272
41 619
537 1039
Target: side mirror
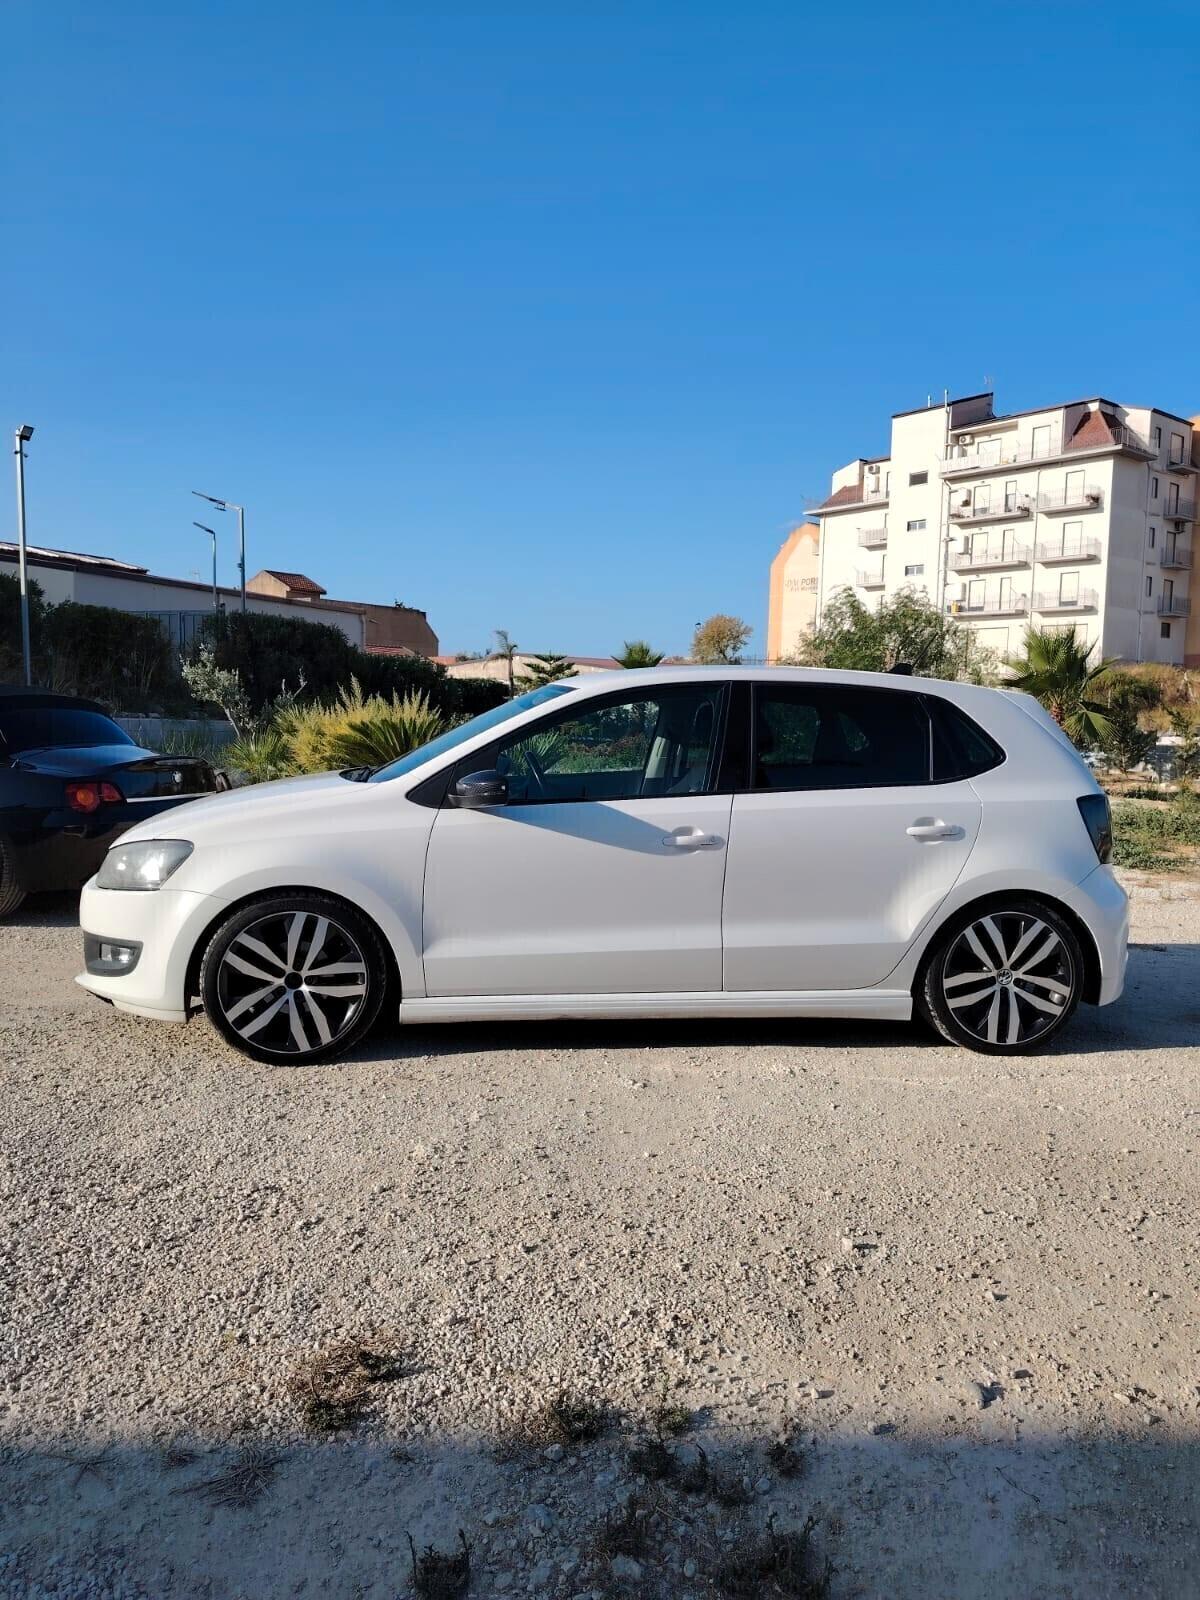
480 789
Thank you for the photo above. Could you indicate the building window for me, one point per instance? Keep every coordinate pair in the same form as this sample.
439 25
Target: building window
1149 587
917 525
1154 488
1158 438
1152 536
1164 630
1010 495
915 571
1176 448
915 478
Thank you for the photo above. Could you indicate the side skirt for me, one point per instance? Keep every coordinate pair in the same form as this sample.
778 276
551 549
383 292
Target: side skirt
882 1005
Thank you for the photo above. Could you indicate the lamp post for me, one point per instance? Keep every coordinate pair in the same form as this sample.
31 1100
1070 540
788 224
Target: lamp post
228 505
21 438
212 532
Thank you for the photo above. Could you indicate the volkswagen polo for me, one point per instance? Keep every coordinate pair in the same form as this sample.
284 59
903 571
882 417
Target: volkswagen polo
685 842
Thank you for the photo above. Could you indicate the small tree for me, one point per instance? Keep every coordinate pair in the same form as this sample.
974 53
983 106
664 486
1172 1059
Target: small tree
637 653
1124 742
1058 670
1186 724
720 641
543 669
907 629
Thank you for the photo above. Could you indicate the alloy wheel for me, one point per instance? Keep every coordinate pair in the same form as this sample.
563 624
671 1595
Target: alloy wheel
1008 978
291 983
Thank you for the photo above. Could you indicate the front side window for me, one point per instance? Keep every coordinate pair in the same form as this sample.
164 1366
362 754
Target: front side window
838 738
468 730
647 745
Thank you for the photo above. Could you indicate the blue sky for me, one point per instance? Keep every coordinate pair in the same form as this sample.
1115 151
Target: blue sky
554 318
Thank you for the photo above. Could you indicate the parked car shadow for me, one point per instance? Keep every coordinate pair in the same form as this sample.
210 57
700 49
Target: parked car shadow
1159 1010
45 911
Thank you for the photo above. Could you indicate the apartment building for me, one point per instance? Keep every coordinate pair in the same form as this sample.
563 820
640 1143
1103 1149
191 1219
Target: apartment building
1076 516
792 608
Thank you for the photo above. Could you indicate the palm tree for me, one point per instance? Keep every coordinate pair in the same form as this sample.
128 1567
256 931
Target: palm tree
546 668
1056 669
637 653
507 648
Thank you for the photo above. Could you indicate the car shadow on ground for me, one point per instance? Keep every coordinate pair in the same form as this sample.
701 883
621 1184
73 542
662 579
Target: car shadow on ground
1159 1010
897 1515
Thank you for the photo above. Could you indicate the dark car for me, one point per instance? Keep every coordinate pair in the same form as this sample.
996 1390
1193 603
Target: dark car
71 780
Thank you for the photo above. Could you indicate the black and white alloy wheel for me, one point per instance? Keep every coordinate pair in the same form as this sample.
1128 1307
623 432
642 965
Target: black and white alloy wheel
1004 980
294 979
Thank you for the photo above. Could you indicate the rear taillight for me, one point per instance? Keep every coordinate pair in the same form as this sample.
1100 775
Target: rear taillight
91 796
1097 819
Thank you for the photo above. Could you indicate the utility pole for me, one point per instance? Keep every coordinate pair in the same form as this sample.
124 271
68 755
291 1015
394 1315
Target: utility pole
212 532
228 505
21 438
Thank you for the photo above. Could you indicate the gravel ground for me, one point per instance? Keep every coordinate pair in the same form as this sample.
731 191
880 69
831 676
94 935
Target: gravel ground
967 1287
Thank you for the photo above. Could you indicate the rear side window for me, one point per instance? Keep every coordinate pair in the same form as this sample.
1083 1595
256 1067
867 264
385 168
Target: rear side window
838 738
961 749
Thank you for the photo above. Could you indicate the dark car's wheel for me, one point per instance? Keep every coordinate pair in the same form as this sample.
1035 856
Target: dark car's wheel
294 978
11 893
1003 979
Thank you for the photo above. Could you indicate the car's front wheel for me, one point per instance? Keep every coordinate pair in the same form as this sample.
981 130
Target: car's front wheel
294 978
1003 979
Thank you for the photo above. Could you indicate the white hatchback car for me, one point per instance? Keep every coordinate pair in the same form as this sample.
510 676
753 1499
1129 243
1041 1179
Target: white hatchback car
687 842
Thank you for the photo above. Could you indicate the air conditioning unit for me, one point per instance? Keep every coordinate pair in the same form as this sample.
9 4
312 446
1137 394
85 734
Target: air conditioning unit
873 469
966 438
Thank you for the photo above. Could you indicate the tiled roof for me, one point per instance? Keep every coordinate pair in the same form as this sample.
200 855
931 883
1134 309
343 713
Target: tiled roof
1096 428
295 580
849 495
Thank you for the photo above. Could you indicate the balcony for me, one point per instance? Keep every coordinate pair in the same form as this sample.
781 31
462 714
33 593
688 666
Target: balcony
1012 605
872 538
1068 550
1185 511
963 460
1176 560
1015 555
1084 600
1174 605
970 514
1089 499
869 580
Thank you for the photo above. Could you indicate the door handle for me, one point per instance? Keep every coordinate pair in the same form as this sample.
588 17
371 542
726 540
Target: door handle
692 839
933 828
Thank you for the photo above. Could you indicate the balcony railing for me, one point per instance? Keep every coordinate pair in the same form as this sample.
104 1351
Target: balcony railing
872 538
1083 600
1089 499
1069 550
993 606
1174 605
986 458
1022 506
1014 555
1184 511
1177 559
869 580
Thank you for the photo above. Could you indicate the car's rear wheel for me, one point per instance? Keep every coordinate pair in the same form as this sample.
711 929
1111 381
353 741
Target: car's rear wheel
294 978
11 893
1003 979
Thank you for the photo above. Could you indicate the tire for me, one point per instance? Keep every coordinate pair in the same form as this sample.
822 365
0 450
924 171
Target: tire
11 893
1003 978
256 978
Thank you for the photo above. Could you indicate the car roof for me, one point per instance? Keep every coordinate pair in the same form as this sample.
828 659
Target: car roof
17 694
602 682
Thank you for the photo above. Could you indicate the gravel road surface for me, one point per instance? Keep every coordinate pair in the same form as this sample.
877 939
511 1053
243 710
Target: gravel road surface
965 1288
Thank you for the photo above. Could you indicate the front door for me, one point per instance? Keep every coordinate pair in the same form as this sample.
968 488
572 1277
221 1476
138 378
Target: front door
843 847
603 872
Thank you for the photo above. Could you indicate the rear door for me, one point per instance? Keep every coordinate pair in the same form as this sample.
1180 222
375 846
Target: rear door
841 847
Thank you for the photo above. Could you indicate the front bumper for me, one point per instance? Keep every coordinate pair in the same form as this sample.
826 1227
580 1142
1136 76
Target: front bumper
167 924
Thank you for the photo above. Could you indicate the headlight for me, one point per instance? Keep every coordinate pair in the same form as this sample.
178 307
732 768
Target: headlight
144 865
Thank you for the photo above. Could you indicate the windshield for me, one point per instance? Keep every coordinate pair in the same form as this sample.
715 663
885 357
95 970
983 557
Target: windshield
467 730
37 727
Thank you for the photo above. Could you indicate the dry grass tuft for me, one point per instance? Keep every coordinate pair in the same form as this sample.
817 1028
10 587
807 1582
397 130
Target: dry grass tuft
567 1418
441 1574
774 1563
623 1532
245 1480
334 1385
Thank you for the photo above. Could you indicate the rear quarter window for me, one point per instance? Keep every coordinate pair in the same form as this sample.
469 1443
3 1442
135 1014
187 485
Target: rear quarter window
961 748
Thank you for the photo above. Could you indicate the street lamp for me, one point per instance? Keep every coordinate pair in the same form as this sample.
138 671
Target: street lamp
21 438
228 505
213 533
